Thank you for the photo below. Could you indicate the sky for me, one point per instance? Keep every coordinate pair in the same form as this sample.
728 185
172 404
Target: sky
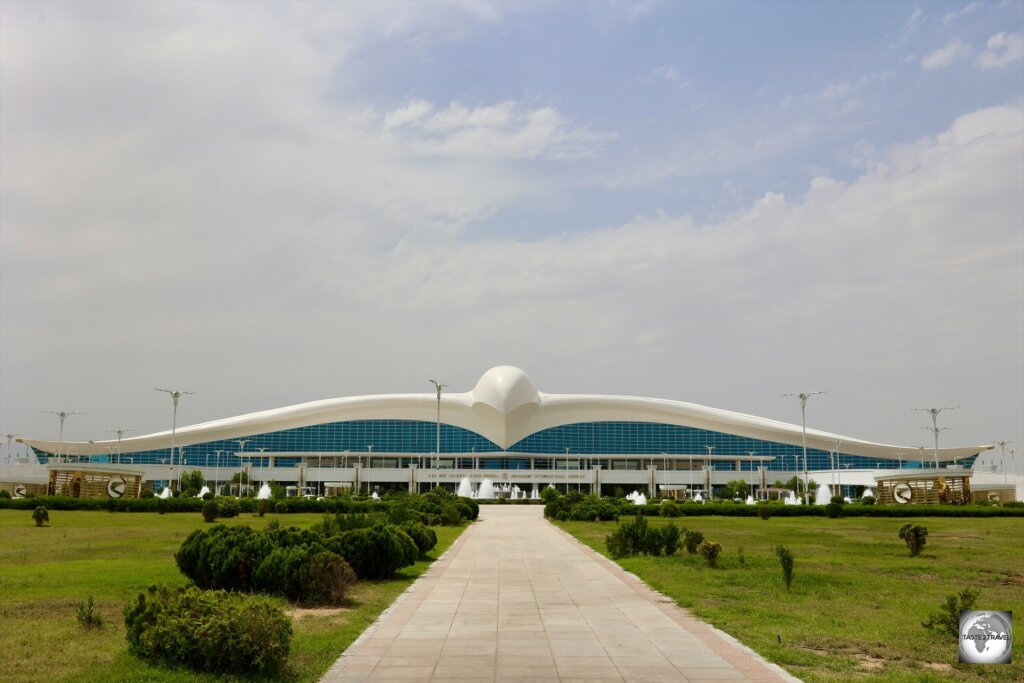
277 202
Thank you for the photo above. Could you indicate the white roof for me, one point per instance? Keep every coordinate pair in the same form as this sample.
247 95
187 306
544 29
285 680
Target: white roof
505 407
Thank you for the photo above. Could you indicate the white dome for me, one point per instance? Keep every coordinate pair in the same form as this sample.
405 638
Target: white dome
505 388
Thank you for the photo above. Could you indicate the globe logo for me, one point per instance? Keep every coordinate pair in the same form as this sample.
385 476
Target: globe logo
985 637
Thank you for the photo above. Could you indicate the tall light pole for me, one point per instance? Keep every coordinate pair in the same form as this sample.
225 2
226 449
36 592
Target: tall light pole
10 453
175 397
935 429
120 432
1002 445
61 415
439 387
241 450
836 465
711 467
803 421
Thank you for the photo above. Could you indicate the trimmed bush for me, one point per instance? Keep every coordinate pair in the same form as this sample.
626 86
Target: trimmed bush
764 511
280 508
5 494
670 508
325 579
867 500
424 538
710 551
208 631
915 537
210 511
549 494
671 539
376 552
834 510
786 562
40 515
629 538
262 507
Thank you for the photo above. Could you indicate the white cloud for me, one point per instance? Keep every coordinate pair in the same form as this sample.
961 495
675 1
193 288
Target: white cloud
1002 49
953 51
844 89
506 130
967 9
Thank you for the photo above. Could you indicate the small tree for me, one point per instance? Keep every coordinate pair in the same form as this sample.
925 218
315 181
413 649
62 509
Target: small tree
737 488
210 511
87 617
710 550
692 539
41 516
262 507
947 619
786 562
549 494
914 536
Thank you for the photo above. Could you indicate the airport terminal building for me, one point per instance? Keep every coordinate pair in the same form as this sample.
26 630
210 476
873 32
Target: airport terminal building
506 431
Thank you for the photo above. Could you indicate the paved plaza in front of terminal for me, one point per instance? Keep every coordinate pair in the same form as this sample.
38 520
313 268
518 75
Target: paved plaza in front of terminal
517 599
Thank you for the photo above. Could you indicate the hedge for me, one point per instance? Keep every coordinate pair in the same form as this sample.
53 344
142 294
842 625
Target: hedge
183 504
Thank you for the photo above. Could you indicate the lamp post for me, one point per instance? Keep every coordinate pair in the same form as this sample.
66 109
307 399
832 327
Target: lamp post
439 387
61 415
759 469
1002 445
835 467
10 453
175 397
241 451
935 429
216 470
711 486
120 433
803 422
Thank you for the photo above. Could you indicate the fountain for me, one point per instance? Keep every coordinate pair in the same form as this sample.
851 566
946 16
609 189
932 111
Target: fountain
697 498
868 492
486 490
165 494
637 498
791 499
264 493
535 494
751 501
375 496
823 496
203 491
465 488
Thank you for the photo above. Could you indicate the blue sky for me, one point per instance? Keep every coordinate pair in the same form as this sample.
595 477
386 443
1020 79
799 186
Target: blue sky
715 202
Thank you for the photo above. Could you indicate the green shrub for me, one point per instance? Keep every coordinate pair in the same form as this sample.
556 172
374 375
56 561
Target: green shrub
671 539
915 537
376 552
147 493
710 550
87 617
208 495
162 505
629 538
838 500
5 494
210 511
1014 504
670 508
786 562
947 619
262 507
741 557
424 538
280 508
228 507
208 631
764 511
41 515
834 510
325 579
867 500
692 540
549 494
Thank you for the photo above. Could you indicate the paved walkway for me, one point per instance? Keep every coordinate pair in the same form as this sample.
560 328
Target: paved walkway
517 599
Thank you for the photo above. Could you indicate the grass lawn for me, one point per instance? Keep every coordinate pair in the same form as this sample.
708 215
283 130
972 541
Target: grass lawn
45 572
857 600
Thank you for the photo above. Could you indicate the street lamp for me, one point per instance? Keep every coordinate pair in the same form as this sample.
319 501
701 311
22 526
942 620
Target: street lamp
175 397
1002 445
61 415
216 470
803 421
835 466
120 433
10 453
711 449
439 387
935 429
241 451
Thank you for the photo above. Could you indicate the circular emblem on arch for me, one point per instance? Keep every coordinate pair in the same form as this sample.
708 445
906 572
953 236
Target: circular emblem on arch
902 493
115 487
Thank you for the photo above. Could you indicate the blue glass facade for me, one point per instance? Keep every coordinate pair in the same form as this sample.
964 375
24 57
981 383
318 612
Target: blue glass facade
581 439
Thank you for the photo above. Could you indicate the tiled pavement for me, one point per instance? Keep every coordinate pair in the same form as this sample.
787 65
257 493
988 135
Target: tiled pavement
516 599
